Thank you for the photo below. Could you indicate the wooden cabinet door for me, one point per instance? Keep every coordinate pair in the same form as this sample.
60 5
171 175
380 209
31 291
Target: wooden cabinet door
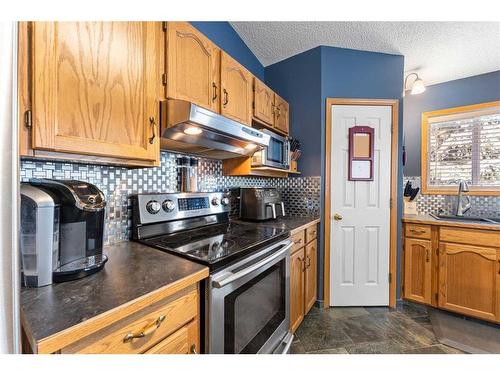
296 289
96 88
183 341
468 280
281 114
236 94
310 283
263 102
192 66
417 272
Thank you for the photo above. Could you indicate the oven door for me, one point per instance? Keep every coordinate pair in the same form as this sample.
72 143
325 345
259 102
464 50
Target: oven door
248 303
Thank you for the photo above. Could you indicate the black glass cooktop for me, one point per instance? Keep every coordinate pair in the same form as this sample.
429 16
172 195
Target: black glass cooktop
218 244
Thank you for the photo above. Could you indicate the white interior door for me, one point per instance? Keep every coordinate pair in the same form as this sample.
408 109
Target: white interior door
359 252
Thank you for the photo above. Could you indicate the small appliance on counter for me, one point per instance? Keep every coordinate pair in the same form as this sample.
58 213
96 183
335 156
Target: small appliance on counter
409 195
39 239
259 204
78 233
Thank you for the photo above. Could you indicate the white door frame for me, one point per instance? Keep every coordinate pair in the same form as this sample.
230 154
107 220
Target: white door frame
394 184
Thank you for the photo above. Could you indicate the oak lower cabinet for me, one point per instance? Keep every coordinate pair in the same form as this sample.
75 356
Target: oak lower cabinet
94 89
303 274
193 66
296 289
417 275
236 90
453 268
169 326
469 280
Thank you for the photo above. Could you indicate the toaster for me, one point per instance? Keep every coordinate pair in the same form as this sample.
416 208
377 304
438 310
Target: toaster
259 204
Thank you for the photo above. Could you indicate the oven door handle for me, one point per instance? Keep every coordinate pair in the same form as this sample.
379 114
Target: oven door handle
235 276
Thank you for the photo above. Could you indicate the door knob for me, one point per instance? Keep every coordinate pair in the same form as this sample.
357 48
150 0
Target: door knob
337 217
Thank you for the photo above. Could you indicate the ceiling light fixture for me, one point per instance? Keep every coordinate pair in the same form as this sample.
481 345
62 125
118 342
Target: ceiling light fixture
417 86
192 130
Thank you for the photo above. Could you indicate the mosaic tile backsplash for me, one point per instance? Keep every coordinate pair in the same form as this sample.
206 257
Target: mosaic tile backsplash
482 205
301 195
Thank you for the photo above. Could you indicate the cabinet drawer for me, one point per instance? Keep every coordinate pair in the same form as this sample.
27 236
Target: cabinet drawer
311 233
470 236
156 322
298 240
183 341
418 231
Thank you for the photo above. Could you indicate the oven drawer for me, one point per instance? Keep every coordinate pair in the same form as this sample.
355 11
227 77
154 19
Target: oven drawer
298 240
418 231
154 323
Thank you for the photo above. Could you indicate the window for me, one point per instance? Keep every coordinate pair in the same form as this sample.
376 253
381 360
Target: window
461 143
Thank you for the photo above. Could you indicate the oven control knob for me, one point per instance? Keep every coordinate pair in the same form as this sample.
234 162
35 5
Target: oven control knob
168 205
225 201
153 207
215 201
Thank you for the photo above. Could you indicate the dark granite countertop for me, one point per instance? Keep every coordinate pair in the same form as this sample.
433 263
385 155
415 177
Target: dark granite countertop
428 219
290 223
133 271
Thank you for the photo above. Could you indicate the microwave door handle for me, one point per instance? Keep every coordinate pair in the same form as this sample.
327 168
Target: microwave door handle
235 276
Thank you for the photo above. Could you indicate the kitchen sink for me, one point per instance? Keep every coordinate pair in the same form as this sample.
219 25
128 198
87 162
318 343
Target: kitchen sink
473 219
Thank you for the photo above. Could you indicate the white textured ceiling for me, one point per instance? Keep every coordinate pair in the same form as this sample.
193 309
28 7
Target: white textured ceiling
438 51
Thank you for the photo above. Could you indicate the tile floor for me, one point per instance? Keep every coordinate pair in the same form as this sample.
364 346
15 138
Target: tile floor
368 330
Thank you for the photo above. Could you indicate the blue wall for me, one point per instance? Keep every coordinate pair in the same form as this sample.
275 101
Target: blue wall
298 80
223 34
465 91
308 79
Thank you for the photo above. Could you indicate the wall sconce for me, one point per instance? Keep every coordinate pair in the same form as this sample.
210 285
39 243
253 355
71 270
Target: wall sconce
417 86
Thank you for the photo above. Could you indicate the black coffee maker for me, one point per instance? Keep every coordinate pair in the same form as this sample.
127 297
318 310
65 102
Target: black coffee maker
81 227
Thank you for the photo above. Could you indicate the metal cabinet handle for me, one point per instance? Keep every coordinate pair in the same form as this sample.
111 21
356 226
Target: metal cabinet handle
417 231
226 97
272 108
146 330
278 109
153 125
499 266
427 256
308 261
214 86
304 265
193 349
298 242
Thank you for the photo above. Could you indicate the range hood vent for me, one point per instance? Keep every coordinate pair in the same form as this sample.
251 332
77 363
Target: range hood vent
189 128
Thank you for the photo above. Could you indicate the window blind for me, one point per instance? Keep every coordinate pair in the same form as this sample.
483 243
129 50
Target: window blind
465 148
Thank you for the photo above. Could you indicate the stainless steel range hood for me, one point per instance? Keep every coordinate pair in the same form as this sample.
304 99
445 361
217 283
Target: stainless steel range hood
189 128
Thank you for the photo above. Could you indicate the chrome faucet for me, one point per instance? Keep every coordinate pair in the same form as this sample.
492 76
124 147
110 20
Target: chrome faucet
461 208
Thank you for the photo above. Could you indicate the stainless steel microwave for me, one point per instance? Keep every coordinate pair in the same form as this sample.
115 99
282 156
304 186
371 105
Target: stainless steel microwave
276 155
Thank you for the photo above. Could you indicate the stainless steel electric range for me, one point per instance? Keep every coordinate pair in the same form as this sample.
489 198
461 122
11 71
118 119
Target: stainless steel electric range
246 297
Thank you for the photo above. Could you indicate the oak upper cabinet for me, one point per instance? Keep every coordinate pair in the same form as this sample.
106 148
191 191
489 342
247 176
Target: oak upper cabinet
263 102
310 284
193 63
96 88
469 280
296 288
281 114
417 273
236 90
